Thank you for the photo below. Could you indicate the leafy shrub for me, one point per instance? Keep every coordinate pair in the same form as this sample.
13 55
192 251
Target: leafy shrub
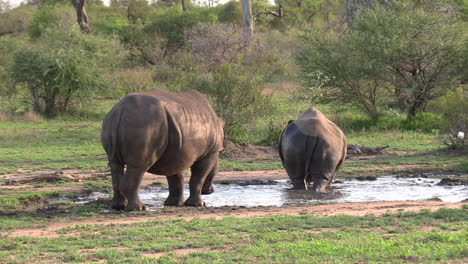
273 134
133 80
177 72
454 108
67 67
216 44
43 19
423 122
229 13
235 96
171 24
16 20
111 24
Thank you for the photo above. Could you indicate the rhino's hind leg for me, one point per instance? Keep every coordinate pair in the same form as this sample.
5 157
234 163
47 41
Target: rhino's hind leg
200 171
299 184
117 172
129 187
320 185
320 182
208 184
176 190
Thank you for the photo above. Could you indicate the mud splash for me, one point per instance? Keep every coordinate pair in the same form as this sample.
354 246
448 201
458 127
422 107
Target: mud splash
279 193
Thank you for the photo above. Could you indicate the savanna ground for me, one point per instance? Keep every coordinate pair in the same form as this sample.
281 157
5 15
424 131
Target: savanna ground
33 229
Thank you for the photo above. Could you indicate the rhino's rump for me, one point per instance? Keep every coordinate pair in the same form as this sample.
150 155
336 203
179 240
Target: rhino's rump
311 147
162 131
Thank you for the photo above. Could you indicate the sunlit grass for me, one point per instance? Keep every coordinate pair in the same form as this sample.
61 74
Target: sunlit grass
423 237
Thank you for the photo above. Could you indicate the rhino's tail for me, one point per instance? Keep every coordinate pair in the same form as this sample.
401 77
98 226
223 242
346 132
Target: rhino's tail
310 144
115 155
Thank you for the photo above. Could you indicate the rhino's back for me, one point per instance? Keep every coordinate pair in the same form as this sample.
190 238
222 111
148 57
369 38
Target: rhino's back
314 123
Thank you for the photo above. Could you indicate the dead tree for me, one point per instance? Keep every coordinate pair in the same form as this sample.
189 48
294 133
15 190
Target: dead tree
247 18
357 149
278 14
81 15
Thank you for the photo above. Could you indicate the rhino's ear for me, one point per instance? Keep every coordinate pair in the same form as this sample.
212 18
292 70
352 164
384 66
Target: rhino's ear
290 121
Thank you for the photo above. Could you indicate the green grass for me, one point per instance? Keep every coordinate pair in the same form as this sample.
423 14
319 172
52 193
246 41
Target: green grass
11 203
36 145
423 237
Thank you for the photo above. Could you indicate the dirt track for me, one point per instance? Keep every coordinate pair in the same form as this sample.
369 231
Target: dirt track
355 209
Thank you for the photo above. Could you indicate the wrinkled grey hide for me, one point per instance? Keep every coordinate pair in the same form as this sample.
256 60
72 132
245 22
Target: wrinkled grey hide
312 150
163 133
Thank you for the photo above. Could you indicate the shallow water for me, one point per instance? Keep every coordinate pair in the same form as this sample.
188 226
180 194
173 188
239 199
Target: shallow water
278 193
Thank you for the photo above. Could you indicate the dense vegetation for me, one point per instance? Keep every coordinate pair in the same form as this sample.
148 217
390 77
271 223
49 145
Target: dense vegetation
370 64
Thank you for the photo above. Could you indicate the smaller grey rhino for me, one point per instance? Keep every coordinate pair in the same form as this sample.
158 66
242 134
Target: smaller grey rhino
312 150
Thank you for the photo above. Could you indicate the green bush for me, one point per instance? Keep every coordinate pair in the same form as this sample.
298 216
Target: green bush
133 80
67 67
230 13
424 122
235 96
171 24
110 24
389 120
16 20
454 107
44 18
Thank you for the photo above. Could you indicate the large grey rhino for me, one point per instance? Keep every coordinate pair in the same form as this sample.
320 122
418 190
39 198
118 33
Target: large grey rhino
312 149
163 133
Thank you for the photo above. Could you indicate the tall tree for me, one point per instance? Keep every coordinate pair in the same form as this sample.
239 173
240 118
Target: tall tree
403 47
81 15
247 18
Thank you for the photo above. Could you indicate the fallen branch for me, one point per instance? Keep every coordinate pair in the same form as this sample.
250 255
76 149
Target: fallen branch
46 177
357 149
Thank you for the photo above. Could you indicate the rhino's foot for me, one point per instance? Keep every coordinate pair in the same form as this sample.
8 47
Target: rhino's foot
320 186
118 204
208 190
174 201
196 202
135 207
298 184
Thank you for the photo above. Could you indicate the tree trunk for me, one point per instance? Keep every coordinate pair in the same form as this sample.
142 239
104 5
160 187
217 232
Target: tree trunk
184 8
82 17
416 107
37 103
401 98
247 18
49 105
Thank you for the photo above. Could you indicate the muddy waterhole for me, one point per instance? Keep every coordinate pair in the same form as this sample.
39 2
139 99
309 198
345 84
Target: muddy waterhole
278 192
